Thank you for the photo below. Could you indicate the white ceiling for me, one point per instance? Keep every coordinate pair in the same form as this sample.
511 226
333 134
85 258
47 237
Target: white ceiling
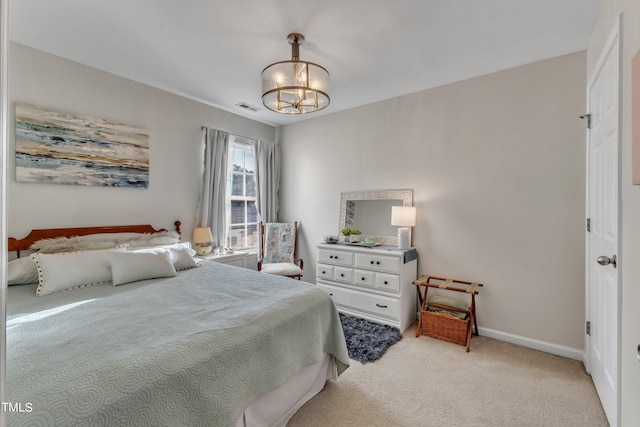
214 50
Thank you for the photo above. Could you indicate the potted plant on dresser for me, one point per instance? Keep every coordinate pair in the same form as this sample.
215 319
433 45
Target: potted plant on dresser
351 235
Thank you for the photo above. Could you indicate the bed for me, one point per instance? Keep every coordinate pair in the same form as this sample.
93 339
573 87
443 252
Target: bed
212 345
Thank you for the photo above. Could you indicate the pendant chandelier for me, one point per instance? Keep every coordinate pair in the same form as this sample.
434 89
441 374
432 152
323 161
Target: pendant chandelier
295 87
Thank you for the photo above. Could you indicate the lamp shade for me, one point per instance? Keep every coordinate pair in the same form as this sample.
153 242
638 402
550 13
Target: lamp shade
403 216
202 235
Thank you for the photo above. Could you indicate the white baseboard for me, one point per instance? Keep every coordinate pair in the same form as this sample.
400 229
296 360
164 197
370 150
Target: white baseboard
547 347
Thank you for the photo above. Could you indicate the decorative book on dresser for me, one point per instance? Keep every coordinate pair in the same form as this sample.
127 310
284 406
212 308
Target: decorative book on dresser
374 283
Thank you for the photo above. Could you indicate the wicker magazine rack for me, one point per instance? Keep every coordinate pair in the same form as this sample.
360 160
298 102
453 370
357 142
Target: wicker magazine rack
440 324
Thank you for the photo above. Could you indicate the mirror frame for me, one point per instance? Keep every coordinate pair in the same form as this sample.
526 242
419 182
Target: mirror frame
405 195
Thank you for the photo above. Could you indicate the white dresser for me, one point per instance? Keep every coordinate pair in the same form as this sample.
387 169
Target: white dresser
371 283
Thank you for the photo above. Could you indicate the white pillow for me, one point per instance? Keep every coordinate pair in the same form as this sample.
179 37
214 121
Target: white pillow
22 271
181 254
127 267
72 270
104 241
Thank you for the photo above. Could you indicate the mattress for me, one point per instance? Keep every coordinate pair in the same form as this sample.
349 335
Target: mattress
196 349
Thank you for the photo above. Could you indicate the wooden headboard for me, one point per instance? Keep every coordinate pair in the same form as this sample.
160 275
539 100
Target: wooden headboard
49 233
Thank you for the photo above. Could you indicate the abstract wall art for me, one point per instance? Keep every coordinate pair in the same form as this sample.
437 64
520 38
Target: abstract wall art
62 148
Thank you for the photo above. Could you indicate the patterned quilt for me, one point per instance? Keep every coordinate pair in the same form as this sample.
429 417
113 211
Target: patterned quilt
191 350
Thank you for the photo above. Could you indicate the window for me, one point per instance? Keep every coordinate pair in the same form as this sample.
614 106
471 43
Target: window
242 214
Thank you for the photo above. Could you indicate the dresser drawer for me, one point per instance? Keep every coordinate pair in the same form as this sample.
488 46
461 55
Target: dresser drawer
364 278
388 282
388 264
377 305
343 275
325 271
335 257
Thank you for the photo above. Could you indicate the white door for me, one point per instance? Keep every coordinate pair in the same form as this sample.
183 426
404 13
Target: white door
602 242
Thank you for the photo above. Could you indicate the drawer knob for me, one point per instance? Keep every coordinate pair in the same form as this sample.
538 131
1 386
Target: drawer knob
362 279
378 262
341 274
371 262
381 306
330 256
324 272
386 283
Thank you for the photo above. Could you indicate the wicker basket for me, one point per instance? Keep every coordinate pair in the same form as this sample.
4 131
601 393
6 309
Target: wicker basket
446 327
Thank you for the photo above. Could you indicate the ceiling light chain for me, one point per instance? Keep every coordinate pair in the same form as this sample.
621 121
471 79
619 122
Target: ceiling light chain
295 86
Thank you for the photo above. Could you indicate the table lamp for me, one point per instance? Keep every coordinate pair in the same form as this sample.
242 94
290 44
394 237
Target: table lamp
202 239
405 218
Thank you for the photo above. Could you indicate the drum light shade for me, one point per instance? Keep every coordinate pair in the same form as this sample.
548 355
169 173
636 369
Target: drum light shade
295 87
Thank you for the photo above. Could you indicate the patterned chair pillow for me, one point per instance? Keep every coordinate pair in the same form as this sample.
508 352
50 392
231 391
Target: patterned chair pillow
279 242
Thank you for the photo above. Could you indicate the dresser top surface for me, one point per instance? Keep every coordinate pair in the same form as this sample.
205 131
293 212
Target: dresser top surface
363 248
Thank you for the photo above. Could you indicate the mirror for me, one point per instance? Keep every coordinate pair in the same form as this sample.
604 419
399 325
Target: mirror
370 212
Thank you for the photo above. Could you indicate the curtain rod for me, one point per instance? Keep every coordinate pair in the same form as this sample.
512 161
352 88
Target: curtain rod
203 127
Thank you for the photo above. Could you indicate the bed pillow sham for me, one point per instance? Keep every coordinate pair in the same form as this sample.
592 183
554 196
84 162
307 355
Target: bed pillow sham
127 267
72 270
104 241
181 254
22 271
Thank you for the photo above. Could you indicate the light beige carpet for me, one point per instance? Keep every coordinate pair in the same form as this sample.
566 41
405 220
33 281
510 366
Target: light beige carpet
426 382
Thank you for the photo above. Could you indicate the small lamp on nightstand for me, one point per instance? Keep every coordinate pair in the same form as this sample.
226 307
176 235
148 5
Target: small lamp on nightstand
202 239
405 217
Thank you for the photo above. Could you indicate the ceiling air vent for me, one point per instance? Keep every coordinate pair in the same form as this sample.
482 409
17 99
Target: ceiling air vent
248 107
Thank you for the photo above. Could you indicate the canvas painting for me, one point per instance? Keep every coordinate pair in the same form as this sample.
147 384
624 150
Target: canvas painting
62 148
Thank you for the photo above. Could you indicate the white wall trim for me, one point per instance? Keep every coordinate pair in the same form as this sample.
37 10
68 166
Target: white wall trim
547 347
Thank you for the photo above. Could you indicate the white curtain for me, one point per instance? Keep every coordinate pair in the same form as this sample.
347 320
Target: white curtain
267 180
211 208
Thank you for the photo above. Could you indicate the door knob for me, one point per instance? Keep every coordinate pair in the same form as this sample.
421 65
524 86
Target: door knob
605 260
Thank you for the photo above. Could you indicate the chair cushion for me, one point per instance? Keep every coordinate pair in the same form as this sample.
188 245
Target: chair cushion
281 268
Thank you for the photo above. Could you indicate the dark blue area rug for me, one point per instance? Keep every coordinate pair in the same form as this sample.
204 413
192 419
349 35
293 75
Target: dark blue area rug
367 341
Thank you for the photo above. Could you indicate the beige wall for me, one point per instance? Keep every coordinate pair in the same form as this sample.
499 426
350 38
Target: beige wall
630 203
497 165
174 135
